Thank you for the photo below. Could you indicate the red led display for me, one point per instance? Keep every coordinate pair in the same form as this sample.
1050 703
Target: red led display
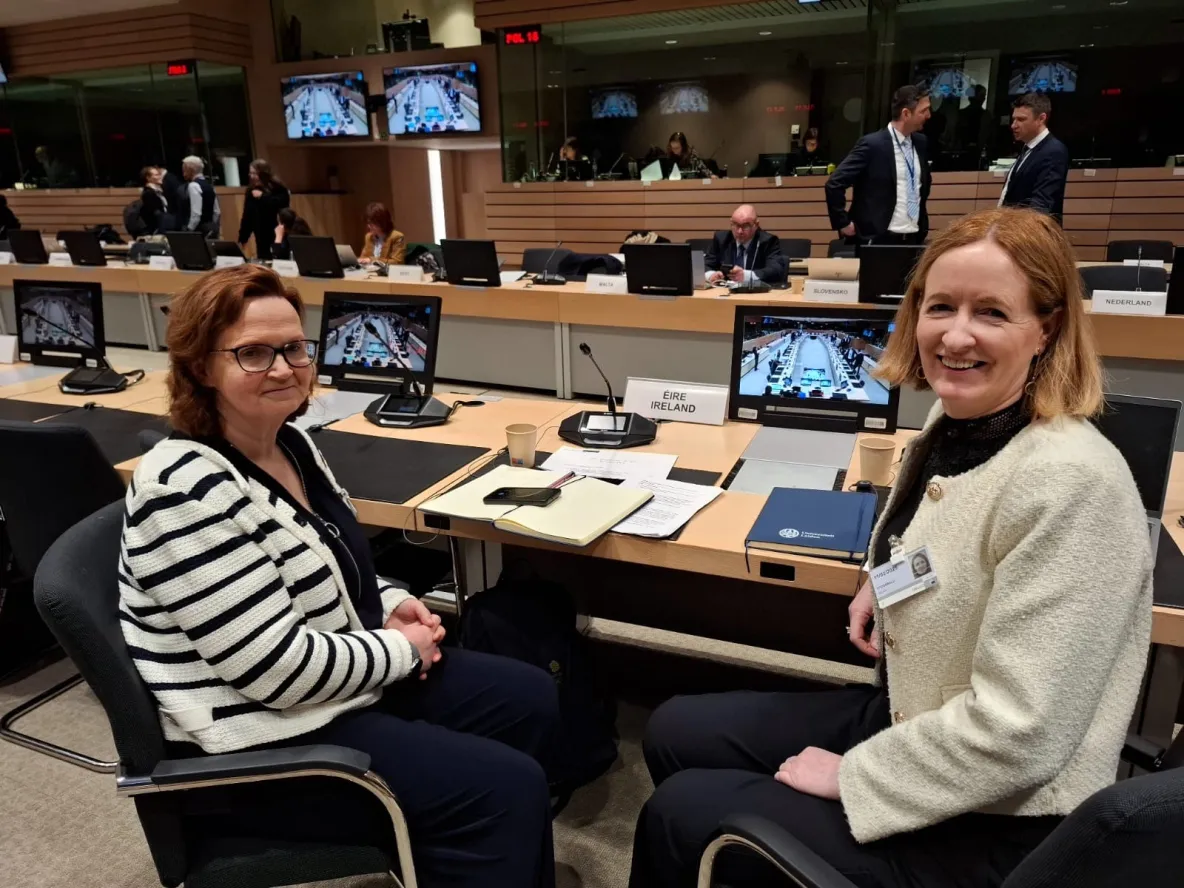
522 36
179 69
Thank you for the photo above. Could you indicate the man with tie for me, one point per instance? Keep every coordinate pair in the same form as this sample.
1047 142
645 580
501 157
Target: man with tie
888 173
1037 178
754 255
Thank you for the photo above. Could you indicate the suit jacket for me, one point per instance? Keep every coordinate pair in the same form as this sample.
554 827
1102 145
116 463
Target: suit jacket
393 252
769 263
260 218
1040 182
870 171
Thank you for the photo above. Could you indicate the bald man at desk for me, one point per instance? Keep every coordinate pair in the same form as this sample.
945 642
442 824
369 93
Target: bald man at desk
751 253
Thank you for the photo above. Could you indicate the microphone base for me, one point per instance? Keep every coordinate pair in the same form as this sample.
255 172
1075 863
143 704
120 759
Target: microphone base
400 412
551 280
591 428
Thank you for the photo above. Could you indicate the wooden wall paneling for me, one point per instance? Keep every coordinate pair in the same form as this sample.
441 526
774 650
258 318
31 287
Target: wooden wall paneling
490 14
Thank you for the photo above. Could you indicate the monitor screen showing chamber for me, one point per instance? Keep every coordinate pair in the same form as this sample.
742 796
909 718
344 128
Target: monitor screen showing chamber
56 317
322 106
377 335
433 99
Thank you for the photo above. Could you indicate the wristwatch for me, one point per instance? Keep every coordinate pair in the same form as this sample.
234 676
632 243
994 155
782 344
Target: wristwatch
416 662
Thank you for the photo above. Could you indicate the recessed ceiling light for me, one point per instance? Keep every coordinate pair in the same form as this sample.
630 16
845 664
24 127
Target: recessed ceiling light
709 58
1058 6
840 63
1087 46
554 72
671 42
764 33
1119 2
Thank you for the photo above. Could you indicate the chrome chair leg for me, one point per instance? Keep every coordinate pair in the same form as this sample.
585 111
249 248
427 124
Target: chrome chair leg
36 744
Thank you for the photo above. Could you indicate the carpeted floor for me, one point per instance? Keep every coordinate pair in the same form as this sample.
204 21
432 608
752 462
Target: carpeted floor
63 827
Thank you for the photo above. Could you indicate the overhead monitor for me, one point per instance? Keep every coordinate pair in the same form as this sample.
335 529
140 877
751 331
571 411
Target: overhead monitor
1052 74
433 99
325 106
59 322
608 104
812 368
683 98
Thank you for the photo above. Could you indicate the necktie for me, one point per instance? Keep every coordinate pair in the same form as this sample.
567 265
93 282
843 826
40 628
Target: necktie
914 200
740 255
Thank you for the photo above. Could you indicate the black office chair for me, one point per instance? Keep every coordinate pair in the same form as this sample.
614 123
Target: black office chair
795 247
1125 834
149 438
1123 277
536 260
1121 250
701 243
77 594
840 249
51 477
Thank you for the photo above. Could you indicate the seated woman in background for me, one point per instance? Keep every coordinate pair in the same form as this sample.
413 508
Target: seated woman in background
1005 689
154 206
383 242
288 223
250 605
8 220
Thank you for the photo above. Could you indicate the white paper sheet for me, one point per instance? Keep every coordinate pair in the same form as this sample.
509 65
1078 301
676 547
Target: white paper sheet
611 464
674 504
509 277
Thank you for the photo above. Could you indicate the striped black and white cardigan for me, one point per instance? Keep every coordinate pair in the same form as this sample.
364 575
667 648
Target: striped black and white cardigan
234 611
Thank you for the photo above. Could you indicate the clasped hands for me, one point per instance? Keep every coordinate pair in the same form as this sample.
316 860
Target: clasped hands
735 274
422 628
815 771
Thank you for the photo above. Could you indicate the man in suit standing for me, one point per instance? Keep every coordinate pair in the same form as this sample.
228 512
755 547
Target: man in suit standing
888 172
754 255
1037 178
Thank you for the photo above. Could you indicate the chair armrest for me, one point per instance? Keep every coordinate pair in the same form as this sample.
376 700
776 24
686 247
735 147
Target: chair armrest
780 847
237 766
1142 753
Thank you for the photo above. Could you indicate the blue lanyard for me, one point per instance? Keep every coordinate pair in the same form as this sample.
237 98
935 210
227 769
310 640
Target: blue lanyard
908 155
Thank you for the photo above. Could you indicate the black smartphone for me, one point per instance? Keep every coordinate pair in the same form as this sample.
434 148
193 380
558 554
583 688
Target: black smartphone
522 496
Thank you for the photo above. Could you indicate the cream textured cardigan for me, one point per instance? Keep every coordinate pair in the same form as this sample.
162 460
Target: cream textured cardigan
1012 681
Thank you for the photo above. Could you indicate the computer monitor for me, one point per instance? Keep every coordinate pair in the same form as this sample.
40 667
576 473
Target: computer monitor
1144 431
316 256
884 271
229 249
191 251
385 345
1176 284
772 165
471 262
27 246
59 322
659 269
811 368
84 248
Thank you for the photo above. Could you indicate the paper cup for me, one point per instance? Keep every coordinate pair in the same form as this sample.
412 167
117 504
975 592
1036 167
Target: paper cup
521 438
875 460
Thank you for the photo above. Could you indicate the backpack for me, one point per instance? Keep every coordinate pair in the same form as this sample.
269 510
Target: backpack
133 222
534 620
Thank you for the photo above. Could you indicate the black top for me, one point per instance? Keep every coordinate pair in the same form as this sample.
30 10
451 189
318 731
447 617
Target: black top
336 525
152 209
763 256
1039 183
955 446
260 218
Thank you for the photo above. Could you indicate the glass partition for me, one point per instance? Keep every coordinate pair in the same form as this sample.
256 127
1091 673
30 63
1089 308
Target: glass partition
788 88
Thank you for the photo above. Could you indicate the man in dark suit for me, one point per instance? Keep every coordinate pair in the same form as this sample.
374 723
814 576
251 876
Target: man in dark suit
1037 178
753 254
888 172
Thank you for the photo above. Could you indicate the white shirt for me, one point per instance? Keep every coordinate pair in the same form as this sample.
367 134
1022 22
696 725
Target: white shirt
1028 146
901 223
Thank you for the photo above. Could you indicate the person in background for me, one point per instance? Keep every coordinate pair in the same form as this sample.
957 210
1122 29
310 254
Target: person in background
251 607
58 173
678 150
383 242
154 206
1037 179
571 149
754 254
8 220
289 223
888 174
810 154
573 164
1004 692
266 196
205 214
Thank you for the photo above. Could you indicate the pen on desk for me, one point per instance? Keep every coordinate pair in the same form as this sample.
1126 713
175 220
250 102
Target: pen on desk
559 482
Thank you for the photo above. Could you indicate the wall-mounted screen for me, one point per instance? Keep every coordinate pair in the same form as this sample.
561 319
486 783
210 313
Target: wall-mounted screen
682 98
322 106
608 104
1046 75
433 99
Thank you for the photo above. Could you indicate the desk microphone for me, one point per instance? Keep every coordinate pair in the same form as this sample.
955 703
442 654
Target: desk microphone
612 402
1139 269
547 277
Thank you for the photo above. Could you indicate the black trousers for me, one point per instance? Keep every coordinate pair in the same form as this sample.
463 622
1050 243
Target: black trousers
463 752
886 238
716 755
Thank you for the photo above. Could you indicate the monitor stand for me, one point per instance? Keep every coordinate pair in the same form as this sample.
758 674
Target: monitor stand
407 411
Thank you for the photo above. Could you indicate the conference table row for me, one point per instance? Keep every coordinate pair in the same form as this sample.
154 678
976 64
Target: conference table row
526 336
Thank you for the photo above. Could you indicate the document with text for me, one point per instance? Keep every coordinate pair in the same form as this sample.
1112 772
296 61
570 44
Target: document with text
674 504
611 465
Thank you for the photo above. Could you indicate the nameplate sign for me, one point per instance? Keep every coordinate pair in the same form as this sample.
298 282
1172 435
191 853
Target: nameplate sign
228 261
830 291
285 268
606 283
407 274
7 349
7 258
1130 302
162 263
1146 263
61 260
677 401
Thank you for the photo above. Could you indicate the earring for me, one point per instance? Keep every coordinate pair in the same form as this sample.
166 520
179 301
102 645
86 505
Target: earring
920 371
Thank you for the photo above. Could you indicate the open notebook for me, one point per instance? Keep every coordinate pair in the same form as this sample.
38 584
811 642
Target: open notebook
586 509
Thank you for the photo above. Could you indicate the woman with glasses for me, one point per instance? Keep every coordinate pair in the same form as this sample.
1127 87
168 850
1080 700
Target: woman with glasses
251 608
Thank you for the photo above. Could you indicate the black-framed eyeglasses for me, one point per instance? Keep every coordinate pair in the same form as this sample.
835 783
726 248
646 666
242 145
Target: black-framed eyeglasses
259 358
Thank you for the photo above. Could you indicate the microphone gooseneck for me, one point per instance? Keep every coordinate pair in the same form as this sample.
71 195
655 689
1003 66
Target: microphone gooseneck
612 401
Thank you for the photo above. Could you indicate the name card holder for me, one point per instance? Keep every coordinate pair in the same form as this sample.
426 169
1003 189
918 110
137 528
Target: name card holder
7 258
677 401
1145 263
61 260
830 291
1150 303
607 283
228 261
405 274
162 263
285 268
7 349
